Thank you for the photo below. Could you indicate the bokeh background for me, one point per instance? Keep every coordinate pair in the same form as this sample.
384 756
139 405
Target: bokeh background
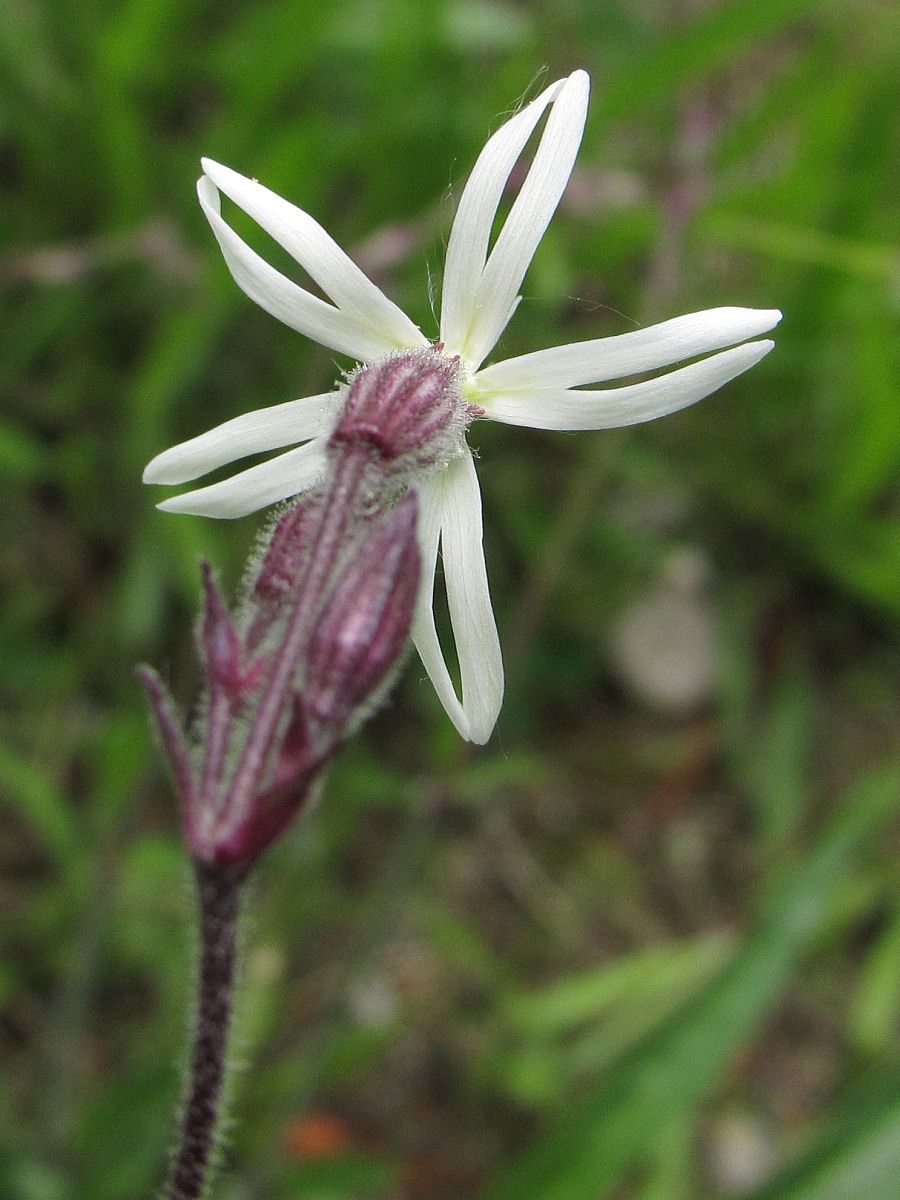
646 943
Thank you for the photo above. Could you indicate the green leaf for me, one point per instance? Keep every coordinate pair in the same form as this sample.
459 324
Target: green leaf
666 971
22 457
775 765
810 247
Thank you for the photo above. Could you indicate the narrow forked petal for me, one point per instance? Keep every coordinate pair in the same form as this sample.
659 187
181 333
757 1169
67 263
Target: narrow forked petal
285 300
469 601
257 487
471 232
423 631
251 433
528 218
615 407
628 353
320 255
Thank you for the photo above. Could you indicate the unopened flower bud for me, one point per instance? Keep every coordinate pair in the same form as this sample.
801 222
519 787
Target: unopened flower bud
406 408
363 630
277 576
286 550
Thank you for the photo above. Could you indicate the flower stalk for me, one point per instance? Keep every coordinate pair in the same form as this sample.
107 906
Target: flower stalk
218 896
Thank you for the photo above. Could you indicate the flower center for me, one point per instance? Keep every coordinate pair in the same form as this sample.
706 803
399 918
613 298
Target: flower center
407 410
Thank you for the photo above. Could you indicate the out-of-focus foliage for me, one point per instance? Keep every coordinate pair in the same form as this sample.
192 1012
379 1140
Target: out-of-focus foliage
623 951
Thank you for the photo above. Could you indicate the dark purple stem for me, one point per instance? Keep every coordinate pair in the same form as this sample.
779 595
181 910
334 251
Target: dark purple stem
218 889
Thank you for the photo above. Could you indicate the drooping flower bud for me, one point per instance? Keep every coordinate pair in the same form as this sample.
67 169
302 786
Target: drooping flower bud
363 629
288 542
280 570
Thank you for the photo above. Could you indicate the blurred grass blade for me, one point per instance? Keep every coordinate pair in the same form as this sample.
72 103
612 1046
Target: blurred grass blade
672 1171
22 457
340 1177
575 1028
859 1159
811 247
584 1157
666 971
775 764
42 804
875 1010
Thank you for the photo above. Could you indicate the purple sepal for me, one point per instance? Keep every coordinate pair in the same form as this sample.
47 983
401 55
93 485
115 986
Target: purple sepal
171 736
298 766
364 627
222 655
273 811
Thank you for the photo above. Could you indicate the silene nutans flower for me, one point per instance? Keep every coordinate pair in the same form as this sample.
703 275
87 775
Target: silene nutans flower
481 290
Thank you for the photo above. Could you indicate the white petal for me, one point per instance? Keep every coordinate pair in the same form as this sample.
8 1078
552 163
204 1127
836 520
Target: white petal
253 432
453 505
613 407
471 614
529 217
628 353
257 487
287 301
319 254
423 632
471 232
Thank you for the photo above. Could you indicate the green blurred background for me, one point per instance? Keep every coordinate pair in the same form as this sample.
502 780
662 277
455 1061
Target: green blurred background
646 944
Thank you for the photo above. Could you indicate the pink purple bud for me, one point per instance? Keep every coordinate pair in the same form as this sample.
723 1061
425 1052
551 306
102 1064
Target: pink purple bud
282 566
364 627
286 551
404 408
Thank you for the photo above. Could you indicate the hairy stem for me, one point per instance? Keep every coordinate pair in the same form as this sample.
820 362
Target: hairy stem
218 889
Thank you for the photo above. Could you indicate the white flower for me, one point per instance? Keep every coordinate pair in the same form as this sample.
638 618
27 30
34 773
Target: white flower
480 293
